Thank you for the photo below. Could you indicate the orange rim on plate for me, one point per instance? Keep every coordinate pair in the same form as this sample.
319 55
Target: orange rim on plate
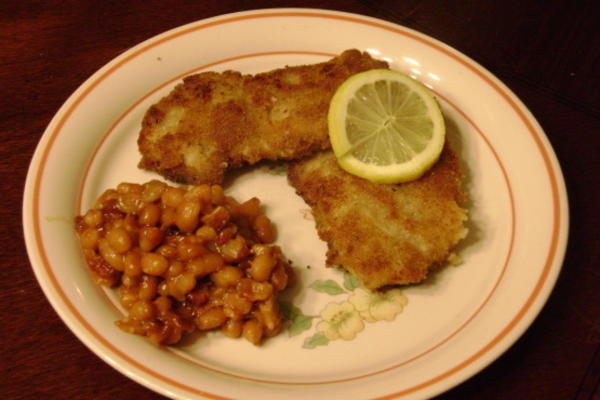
557 216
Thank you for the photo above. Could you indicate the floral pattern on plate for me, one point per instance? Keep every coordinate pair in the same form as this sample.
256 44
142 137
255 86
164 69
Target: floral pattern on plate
345 319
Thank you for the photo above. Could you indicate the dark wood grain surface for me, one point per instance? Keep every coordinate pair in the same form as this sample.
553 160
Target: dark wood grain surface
547 52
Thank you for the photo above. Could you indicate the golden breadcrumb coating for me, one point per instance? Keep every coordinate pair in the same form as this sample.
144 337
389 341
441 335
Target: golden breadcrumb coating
384 234
213 121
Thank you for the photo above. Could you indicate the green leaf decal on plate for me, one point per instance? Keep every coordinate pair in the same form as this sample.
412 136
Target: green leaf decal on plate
318 339
329 286
298 321
350 281
288 310
280 169
300 324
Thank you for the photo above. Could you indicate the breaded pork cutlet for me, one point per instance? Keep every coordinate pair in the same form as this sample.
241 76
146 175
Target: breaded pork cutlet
213 122
384 234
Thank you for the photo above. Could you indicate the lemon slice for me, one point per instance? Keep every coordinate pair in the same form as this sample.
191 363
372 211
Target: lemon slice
385 126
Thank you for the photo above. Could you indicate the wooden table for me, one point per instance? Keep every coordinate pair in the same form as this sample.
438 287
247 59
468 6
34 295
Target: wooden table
547 52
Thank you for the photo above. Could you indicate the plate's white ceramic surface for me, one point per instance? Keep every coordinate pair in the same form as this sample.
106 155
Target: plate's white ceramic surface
451 327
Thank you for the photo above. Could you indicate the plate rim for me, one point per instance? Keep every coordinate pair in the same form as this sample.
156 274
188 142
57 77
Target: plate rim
559 195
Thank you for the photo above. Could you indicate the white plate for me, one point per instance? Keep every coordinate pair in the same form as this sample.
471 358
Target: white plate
452 327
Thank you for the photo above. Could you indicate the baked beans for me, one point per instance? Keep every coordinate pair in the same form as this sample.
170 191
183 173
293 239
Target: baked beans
185 259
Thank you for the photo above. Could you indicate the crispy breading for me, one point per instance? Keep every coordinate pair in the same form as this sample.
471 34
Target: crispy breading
384 234
213 122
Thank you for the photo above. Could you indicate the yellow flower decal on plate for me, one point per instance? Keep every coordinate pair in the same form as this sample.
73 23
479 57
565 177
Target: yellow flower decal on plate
346 319
340 321
377 306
